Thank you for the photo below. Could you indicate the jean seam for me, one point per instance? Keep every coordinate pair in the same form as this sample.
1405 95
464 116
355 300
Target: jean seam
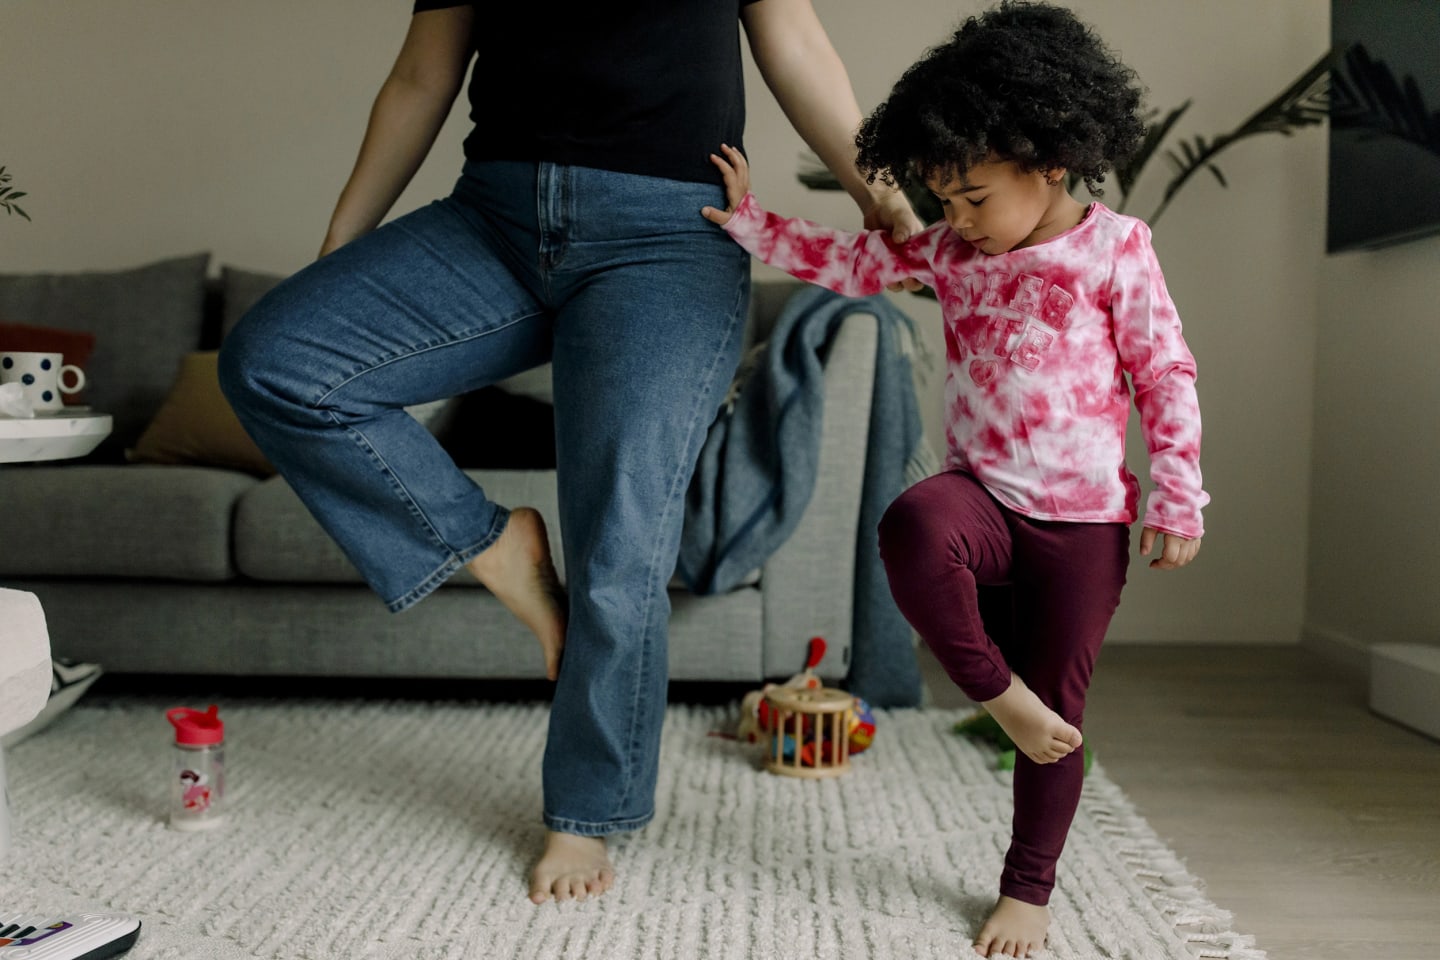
452 563
585 828
679 480
456 558
419 350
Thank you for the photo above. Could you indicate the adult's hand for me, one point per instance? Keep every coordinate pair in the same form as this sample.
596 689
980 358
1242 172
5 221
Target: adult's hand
892 212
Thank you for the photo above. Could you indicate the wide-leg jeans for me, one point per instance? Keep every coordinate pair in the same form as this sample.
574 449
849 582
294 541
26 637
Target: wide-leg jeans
638 302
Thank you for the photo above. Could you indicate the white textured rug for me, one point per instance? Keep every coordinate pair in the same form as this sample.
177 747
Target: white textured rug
405 829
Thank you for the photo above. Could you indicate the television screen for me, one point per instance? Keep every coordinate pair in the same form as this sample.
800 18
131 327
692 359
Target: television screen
1384 182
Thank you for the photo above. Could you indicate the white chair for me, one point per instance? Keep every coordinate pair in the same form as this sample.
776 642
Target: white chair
25 673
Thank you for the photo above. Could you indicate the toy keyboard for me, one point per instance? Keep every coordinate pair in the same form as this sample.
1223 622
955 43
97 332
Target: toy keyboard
89 936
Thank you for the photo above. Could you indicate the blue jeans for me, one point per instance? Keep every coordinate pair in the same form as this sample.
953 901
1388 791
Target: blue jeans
638 302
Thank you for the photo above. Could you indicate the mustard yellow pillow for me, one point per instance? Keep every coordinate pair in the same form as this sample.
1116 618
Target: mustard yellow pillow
195 424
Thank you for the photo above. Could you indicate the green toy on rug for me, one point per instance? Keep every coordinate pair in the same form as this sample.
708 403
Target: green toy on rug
982 726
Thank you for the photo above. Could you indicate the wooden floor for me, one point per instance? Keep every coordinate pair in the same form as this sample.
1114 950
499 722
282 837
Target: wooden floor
1314 821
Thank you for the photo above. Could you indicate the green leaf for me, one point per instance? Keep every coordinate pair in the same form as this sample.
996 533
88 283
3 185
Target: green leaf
1302 103
814 174
1126 174
820 181
1366 96
982 726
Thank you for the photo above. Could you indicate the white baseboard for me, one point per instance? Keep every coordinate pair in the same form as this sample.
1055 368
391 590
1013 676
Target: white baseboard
1405 685
1401 680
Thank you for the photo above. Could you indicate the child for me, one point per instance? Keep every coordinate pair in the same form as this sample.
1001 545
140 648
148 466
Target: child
1010 562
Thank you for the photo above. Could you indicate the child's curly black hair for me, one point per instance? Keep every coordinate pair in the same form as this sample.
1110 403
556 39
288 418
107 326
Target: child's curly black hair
1024 82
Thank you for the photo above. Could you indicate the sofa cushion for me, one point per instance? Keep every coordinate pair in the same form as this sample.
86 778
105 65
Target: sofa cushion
277 539
118 521
534 384
251 630
240 290
144 321
493 429
196 424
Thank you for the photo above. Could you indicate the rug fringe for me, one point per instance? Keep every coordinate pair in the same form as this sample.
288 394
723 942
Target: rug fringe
1205 929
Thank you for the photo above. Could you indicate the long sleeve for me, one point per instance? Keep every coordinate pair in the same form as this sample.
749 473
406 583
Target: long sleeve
1162 373
851 264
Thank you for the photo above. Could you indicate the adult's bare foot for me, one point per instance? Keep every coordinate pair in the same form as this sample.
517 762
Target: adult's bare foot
517 568
1037 730
1015 929
571 868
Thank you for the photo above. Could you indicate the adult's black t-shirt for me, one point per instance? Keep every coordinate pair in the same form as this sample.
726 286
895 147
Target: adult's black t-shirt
651 87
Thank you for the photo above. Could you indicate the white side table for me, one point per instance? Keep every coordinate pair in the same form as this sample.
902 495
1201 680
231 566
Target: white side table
54 436
50 437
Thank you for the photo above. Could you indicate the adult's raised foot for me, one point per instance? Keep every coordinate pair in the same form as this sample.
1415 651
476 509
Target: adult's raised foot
571 868
518 570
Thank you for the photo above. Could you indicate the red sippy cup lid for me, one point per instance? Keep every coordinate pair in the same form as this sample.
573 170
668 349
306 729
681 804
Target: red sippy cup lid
197 728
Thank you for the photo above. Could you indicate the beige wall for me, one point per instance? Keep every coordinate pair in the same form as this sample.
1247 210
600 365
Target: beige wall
1374 562
152 128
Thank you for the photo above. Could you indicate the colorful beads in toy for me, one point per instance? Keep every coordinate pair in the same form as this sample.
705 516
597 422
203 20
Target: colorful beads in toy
862 726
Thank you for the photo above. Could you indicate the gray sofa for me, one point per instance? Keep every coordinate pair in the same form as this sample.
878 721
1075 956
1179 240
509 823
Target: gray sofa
196 569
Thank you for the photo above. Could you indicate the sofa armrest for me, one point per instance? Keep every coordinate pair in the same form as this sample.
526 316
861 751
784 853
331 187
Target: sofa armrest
808 583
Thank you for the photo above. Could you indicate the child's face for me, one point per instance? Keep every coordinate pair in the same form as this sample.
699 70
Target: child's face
998 207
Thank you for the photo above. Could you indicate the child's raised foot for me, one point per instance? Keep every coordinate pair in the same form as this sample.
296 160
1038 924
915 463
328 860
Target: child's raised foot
1015 929
1038 731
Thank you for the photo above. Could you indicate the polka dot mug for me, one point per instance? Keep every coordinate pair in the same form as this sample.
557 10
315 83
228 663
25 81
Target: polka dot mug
42 378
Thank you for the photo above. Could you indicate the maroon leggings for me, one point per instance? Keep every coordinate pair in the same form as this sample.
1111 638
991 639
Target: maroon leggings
990 590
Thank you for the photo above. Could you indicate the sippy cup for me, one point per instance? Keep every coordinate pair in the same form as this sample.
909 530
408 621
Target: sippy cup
197 781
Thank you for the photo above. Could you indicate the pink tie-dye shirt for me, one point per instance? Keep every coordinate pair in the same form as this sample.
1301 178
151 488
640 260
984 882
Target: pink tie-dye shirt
1038 342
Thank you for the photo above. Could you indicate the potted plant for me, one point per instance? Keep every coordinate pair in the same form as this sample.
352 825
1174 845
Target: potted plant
1301 104
8 196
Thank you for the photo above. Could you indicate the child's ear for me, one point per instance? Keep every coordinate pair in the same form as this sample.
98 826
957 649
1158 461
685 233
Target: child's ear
1055 176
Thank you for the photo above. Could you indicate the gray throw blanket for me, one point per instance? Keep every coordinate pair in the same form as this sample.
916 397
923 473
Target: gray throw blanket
757 471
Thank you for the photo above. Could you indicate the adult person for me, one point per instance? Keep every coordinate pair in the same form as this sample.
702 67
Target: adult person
570 237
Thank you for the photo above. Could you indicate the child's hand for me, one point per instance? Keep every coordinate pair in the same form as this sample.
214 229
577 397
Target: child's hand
736 173
1174 554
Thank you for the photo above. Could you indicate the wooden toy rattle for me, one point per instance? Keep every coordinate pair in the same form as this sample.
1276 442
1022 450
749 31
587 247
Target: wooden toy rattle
809 731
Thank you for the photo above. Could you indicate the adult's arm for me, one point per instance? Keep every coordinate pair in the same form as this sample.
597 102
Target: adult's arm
407 115
804 72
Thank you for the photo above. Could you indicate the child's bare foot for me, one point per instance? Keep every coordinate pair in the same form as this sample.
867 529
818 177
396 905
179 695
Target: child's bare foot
1015 929
572 868
1038 731
517 568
